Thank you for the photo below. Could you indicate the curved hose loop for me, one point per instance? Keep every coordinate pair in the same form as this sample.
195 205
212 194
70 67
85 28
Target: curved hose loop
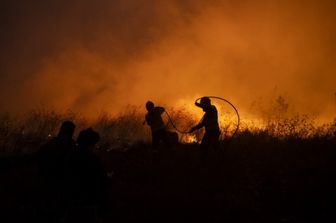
236 110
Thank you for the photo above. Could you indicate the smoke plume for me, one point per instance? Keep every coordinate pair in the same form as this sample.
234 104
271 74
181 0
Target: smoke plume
92 56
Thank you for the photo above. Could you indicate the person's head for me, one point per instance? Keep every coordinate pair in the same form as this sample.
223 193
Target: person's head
205 102
67 129
88 138
149 105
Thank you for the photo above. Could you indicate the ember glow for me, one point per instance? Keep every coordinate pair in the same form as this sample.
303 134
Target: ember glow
189 139
93 56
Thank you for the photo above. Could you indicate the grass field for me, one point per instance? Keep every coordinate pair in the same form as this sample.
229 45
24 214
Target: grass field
285 172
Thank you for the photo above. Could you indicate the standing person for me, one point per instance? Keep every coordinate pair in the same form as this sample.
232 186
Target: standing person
209 122
52 155
87 180
51 160
154 120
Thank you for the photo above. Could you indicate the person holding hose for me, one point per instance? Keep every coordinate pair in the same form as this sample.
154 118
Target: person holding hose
209 122
154 120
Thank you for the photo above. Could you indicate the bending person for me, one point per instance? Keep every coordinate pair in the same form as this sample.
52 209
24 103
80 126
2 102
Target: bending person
154 120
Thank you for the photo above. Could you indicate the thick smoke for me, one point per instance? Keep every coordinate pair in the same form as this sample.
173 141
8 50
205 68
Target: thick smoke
92 56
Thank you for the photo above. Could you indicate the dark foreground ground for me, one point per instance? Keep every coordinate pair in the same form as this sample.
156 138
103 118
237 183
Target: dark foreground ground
246 181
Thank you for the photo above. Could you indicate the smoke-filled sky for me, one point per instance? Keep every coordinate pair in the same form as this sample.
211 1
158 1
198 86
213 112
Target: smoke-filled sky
102 55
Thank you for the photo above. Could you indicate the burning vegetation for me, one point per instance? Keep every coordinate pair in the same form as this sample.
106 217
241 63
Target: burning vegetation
24 134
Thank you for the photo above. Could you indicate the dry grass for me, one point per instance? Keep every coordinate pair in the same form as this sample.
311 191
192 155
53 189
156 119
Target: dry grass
27 133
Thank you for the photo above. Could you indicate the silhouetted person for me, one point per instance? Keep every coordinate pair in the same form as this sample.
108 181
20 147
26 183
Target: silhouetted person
51 162
154 120
209 122
51 156
86 177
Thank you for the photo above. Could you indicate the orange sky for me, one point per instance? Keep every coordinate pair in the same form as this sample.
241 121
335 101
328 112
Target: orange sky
92 56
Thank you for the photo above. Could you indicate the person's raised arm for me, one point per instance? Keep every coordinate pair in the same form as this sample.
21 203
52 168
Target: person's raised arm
198 104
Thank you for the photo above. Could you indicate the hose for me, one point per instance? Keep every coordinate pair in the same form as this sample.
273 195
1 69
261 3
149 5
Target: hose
172 123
